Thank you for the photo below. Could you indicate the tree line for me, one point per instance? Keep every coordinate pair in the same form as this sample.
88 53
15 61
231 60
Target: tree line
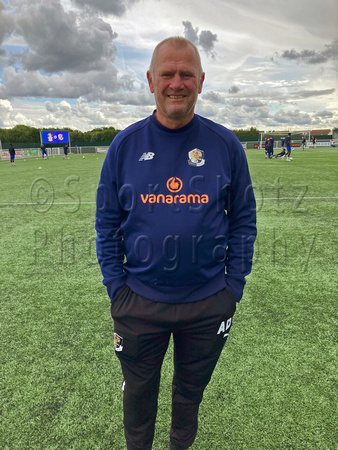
23 134
247 135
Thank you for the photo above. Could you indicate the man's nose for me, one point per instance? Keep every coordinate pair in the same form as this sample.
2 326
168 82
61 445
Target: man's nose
177 82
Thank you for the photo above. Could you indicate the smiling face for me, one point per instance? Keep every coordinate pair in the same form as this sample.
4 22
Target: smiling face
175 79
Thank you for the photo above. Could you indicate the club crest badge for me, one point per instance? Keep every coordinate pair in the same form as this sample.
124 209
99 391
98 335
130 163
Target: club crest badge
196 158
118 342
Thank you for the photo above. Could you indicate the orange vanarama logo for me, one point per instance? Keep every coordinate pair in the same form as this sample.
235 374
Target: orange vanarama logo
174 185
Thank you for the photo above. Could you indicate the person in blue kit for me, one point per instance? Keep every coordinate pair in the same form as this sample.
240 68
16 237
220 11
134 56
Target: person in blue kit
44 151
176 225
282 143
266 147
65 150
12 154
288 147
271 145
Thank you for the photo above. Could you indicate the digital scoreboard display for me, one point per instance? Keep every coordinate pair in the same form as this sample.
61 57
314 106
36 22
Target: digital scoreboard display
55 137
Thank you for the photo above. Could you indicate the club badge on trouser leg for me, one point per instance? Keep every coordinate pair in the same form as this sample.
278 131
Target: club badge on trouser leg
118 342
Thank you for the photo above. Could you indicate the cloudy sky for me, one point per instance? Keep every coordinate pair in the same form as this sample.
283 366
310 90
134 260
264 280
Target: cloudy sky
271 64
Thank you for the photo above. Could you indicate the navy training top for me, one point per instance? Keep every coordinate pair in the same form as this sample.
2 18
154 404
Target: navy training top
176 213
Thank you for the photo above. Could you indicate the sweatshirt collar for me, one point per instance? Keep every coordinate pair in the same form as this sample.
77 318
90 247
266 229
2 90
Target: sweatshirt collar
173 130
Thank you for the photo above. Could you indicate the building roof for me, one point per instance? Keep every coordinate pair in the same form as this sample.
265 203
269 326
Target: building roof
321 132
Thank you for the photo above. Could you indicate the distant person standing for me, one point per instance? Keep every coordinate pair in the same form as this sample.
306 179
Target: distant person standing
303 143
12 154
271 145
65 150
283 143
44 151
314 141
266 147
288 147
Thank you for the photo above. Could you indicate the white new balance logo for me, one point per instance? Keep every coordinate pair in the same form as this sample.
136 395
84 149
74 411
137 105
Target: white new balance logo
146 156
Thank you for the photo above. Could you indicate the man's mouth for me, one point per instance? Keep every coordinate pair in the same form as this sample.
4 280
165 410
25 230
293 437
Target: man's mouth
176 97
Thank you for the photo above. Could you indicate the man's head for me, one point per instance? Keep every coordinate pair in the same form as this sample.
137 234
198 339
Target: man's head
175 77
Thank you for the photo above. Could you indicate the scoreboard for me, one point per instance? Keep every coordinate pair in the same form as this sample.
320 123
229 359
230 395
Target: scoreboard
55 137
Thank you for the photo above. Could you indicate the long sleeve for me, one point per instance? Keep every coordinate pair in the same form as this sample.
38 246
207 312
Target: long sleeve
242 225
109 242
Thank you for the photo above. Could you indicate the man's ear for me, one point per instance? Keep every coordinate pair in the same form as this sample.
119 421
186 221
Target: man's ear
201 83
150 82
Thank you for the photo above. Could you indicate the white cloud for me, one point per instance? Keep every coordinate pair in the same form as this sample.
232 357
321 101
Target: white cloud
82 63
115 7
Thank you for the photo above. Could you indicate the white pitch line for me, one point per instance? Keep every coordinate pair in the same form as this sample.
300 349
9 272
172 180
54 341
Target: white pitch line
47 204
93 203
296 198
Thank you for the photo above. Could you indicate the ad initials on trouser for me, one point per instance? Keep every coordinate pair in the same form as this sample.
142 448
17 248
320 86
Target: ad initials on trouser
224 327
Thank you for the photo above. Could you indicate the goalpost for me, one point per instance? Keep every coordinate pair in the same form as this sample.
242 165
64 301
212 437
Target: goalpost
296 136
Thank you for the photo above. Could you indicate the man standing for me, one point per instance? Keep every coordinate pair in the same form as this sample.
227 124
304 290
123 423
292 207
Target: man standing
176 225
282 143
303 142
270 147
44 151
65 150
288 147
266 146
12 154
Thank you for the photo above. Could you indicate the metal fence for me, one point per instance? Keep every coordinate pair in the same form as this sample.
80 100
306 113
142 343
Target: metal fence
51 151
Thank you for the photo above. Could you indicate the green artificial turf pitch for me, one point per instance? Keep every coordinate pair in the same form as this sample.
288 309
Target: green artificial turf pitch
275 384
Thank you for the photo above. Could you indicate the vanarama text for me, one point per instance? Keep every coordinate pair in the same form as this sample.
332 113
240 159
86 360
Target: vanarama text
174 199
